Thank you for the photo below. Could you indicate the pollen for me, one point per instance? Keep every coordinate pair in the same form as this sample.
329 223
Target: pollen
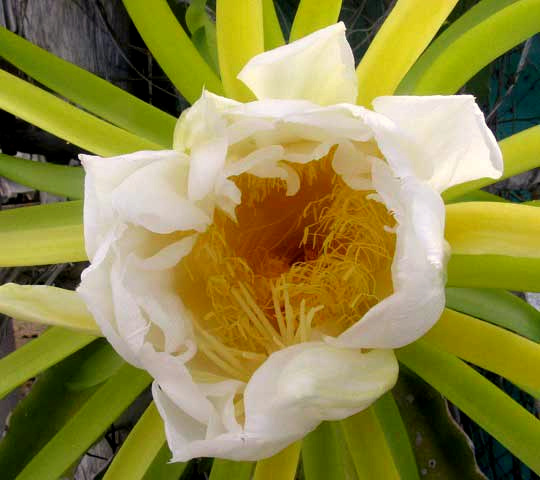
291 269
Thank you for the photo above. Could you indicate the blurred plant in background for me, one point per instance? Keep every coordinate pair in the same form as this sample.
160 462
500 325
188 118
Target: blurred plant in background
81 394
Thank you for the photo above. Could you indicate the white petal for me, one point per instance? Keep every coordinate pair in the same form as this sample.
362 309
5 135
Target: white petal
305 151
288 396
337 121
199 418
418 270
167 257
261 162
130 291
444 138
201 132
206 162
271 108
203 122
174 379
155 197
246 127
103 175
265 163
353 165
228 196
300 386
149 287
318 67
292 179
96 290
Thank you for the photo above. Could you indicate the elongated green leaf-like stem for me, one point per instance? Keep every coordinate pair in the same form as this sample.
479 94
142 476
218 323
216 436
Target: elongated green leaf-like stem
43 411
240 36
494 271
498 307
101 365
49 348
227 469
312 16
474 40
282 465
488 346
368 446
58 117
43 234
322 457
140 448
476 196
405 34
88 90
392 425
493 228
273 36
85 427
161 469
47 305
503 418
172 48
47 177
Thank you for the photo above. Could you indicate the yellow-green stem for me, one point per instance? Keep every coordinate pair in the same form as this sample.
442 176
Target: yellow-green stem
368 446
172 48
405 34
488 346
493 228
240 36
311 16
273 36
282 466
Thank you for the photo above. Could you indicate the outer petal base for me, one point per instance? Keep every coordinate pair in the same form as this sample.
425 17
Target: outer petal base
286 398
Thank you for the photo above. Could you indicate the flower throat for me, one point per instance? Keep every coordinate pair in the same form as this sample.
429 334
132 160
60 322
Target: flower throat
291 269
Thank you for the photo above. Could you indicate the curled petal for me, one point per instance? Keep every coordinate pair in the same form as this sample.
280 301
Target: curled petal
300 386
103 176
143 196
96 289
418 268
201 133
131 293
318 67
202 122
216 434
441 139
288 396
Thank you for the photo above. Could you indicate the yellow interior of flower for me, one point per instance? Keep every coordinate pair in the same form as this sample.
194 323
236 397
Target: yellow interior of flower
290 270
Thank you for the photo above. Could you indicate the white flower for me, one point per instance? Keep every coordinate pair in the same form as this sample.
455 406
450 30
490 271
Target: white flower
264 269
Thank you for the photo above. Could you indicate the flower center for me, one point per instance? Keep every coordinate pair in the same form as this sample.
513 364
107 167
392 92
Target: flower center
290 270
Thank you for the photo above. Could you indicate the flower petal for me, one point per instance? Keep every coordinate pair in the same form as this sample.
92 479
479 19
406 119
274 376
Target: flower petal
97 292
130 291
288 396
143 197
444 139
201 133
318 67
300 386
217 435
103 175
418 270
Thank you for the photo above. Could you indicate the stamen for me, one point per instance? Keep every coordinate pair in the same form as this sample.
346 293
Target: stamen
291 268
277 309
